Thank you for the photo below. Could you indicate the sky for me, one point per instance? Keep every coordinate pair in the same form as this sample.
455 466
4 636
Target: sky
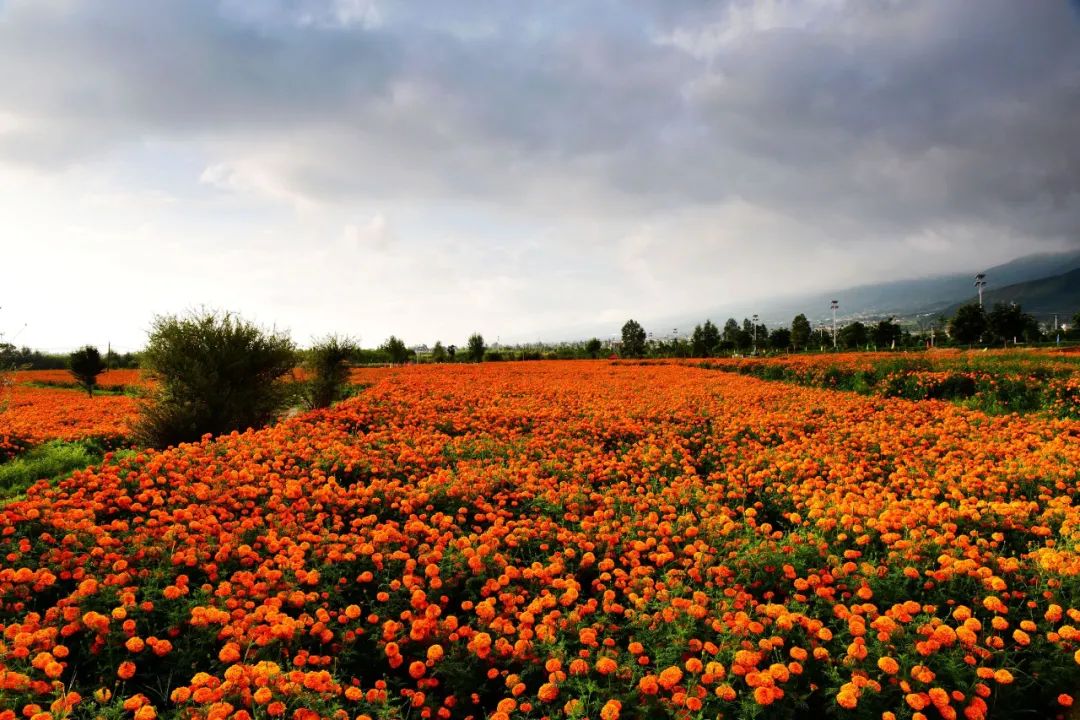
523 170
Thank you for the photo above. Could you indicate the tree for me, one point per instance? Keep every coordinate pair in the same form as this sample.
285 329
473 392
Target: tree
706 339
886 333
853 336
327 363
438 353
593 348
633 339
697 342
85 365
800 331
477 347
731 331
215 373
1008 321
451 352
780 339
968 325
395 349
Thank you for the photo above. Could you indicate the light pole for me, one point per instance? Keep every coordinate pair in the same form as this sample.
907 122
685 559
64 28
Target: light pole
980 283
834 305
755 332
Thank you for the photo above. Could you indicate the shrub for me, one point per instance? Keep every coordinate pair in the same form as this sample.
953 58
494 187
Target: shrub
327 361
85 365
216 373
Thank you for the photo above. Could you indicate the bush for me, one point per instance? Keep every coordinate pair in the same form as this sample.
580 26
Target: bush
216 373
327 361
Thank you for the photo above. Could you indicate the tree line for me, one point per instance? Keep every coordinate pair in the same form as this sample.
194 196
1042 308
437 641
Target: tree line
1005 324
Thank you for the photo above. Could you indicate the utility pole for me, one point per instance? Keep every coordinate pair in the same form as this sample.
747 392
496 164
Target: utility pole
754 320
1057 331
835 304
980 283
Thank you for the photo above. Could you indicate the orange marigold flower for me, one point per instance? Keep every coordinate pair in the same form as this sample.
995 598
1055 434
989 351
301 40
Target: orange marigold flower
888 665
230 653
611 710
670 677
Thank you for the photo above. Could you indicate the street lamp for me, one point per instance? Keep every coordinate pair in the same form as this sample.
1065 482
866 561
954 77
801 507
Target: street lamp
755 333
980 283
835 304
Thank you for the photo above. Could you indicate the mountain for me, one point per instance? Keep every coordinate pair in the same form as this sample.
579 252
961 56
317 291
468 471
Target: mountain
918 296
1042 298
1047 280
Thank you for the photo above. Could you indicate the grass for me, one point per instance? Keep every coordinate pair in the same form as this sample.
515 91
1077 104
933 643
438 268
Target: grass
50 461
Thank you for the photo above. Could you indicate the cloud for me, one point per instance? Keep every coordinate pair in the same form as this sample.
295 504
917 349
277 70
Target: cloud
636 153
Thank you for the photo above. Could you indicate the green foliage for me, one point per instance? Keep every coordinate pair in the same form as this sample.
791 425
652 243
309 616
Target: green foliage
50 461
800 332
85 365
969 324
780 339
853 335
1008 322
438 353
633 339
395 349
706 340
593 348
477 347
328 363
886 334
216 373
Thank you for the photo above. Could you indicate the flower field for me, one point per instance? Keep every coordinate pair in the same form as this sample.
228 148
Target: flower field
560 539
108 380
998 382
34 415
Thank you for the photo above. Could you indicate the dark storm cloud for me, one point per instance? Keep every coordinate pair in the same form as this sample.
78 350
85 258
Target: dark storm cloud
870 120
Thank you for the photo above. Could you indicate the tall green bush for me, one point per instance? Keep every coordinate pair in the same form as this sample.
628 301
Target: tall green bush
215 373
327 362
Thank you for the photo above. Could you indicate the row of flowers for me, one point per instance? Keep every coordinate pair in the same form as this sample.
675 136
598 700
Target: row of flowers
559 540
996 382
33 415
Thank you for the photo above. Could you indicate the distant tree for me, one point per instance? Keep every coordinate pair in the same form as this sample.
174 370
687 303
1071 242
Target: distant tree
705 340
396 350
451 352
697 342
1007 321
853 336
680 348
800 331
731 332
968 325
780 339
214 373
327 362
633 339
710 335
477 347
593 348
85 366
886 333
438 353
